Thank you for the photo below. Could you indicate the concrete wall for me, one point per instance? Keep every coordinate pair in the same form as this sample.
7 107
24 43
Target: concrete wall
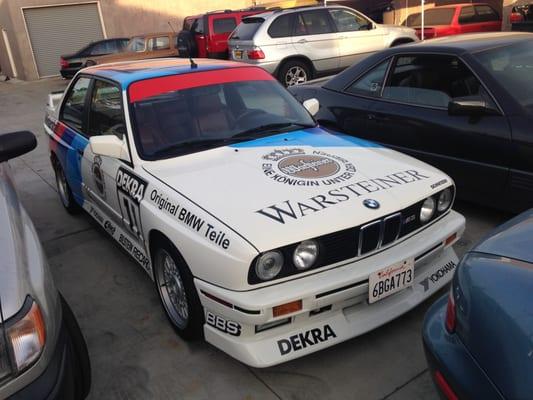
120 17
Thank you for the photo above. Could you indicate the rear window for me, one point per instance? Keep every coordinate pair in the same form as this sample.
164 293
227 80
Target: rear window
247 28
442 16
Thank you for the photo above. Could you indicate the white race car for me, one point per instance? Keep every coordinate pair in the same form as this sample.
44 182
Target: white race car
267 234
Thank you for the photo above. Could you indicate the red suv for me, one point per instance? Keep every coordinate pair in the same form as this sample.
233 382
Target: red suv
207 35
455 19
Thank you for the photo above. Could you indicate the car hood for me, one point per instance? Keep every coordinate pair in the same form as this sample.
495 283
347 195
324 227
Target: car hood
288 187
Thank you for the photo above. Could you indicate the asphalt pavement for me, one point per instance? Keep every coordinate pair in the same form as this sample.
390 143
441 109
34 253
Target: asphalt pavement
135 353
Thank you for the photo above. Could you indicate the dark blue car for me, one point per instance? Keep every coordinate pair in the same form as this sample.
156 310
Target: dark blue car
479 338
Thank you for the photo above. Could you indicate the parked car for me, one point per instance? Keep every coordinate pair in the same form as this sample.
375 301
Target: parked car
206 35
43 354
456 19
461 103
296 45
153 45
272 237
478 339
72 63
521 18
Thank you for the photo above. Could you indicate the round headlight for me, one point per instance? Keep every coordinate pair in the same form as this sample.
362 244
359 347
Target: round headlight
427 210
268 265
445 199
305 254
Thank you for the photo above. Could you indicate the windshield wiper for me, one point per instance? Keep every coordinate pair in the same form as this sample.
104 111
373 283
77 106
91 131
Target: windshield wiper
193 144
268 128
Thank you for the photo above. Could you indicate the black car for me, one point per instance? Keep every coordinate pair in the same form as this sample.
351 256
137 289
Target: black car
72 63
462 103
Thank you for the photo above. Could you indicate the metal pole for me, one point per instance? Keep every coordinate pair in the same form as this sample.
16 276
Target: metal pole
422 15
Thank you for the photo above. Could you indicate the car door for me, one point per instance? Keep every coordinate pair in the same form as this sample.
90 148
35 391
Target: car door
412 116
220 27
315 38
104 177
70 132
358 36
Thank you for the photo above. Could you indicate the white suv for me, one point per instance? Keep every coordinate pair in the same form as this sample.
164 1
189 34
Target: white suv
299 44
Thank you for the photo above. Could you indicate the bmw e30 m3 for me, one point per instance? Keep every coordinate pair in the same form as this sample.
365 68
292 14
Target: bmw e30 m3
263 232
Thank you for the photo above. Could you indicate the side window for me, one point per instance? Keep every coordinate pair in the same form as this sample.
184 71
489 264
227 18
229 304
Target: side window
467 16
136 44
371 83
105 113
347 21
74 106
316 22
224 25
99 49
486 14
198 26
281 27
158 43
432 80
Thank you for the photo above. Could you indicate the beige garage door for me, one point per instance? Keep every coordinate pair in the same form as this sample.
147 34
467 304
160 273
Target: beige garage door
59 30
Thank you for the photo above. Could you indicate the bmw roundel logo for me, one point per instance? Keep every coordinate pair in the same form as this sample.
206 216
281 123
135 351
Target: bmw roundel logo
371 203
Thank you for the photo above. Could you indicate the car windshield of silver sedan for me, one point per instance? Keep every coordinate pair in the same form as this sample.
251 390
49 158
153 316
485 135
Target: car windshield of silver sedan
186 121
512 67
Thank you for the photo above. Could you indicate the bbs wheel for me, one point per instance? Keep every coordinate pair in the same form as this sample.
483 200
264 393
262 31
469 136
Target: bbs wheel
64 191
294 73
176 290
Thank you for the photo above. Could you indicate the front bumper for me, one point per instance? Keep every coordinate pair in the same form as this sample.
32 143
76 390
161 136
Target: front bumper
334 302
447 354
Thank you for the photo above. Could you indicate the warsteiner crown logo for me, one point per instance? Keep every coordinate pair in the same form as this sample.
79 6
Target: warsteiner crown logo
294 166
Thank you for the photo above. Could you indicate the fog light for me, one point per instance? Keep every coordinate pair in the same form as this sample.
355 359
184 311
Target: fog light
271 325
287 308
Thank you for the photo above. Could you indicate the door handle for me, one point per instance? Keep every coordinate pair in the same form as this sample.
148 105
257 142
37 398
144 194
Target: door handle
301 41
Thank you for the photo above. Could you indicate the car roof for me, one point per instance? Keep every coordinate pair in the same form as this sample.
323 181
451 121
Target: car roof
474 42
126 72
282 11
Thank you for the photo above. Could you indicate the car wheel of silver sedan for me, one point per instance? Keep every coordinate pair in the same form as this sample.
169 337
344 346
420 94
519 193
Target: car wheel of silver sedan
177 293
294 73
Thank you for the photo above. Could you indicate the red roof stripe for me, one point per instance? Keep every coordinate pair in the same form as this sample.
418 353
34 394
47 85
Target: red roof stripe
141 90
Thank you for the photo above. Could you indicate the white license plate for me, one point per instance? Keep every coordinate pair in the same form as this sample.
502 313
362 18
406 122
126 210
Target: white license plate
237 54
391 280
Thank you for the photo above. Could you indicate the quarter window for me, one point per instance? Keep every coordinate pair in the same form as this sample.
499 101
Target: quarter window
371 83
224 25
316 22
281 27
432 81
105 114
136 44
158 43
73 108
486 14
467 16
346 21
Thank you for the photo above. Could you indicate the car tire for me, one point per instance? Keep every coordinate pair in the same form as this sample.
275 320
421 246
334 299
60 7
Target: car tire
294 72
177 293
64 191
80 353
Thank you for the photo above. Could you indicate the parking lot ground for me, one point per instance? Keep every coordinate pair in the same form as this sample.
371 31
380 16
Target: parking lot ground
135 354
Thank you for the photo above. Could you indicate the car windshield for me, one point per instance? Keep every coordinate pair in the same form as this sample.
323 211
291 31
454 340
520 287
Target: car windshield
441 16
135 44
512 67
170 124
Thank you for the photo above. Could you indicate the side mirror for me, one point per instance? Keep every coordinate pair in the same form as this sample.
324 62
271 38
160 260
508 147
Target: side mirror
311 105
15 144
470 107
110 146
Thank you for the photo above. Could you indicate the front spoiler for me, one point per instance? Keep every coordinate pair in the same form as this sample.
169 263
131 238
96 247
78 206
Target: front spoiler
350 314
